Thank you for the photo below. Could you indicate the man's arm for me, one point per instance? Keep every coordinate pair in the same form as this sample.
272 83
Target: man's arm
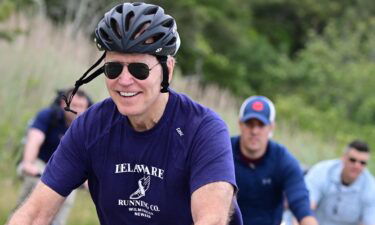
211 203
35 139
368 205
296 192
309 220
39 208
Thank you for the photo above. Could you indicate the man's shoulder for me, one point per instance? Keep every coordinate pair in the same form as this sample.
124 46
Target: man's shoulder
235 144
47 117
193 113
98 109
189 105
45 112
235 139
325 169
99 117
272 144
370 180
326 164
279 151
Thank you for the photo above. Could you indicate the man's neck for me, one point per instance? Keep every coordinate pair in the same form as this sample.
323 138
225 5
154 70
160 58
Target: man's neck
345 180
148 120
252 154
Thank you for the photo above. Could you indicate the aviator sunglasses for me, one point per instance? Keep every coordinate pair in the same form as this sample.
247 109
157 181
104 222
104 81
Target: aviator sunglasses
354 160
138 70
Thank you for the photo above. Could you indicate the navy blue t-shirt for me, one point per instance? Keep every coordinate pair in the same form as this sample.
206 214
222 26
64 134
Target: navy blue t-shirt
51 122
263 186
143 177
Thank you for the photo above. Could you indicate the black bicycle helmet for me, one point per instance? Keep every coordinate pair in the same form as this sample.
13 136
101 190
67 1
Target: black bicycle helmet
134 28
138 28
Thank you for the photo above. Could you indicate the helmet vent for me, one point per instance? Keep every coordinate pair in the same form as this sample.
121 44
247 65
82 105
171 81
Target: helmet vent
140 29
137 3
154 38
151 10
168 23
104 35
119 9
172 41
116 28
128 19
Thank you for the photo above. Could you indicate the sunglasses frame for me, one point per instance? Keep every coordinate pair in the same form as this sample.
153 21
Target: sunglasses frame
130 69
354 160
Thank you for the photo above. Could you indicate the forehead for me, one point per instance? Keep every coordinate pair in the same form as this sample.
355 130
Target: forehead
352 152
122 57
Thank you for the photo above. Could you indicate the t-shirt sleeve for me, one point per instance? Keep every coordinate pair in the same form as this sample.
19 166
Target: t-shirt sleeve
67 168
212 158
369 206
295 188
314 183
42 120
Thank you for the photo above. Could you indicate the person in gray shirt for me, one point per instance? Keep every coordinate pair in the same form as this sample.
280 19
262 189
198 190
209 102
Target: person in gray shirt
342 191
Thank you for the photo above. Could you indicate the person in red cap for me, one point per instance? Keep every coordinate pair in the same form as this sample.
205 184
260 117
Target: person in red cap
265 170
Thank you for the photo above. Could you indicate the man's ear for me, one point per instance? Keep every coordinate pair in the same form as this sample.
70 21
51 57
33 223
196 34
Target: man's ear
273 127
171 61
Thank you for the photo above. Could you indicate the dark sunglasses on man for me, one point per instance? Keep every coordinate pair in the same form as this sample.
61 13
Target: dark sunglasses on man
138 70
354 160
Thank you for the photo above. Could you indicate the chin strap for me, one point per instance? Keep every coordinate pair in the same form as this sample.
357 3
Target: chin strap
164 84
84 79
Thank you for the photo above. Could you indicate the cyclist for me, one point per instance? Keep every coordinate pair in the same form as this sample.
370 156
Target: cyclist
150 154
342 190
43 137
265 170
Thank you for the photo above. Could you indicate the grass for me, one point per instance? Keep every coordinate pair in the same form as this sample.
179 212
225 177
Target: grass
45 58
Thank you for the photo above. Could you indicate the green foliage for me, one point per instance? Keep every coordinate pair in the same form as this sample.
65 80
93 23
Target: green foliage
6 9
334 70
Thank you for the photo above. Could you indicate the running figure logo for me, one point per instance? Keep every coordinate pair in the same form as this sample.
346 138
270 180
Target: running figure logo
143 185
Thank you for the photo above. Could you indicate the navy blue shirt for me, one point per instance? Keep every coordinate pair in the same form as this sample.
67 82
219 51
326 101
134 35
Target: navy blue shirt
52 123
143 177
262 186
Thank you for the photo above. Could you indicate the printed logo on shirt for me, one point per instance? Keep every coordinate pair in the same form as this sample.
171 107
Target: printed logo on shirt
266 181
179 131
143 185
139 168
135 204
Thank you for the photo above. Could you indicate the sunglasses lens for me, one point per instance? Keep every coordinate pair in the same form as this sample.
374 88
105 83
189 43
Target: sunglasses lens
139 70
112 69
353 160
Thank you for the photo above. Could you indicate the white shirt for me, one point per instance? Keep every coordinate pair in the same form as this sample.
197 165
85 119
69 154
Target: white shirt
338 204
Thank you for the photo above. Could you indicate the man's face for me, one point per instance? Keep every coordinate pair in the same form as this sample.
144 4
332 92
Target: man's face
255 135
78 104
354 163
134 97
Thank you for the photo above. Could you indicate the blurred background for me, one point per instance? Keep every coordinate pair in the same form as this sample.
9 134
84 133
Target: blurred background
314 58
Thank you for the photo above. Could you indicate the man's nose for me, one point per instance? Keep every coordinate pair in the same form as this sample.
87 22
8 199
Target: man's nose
255 129
125 77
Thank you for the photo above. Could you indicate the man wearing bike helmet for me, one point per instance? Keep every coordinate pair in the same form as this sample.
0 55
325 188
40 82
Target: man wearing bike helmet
43 137
151 155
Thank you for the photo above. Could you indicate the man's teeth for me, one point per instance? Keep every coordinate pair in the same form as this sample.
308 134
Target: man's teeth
127 94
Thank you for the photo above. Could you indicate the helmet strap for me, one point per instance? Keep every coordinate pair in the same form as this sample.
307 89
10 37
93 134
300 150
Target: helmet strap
84 79
165 83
